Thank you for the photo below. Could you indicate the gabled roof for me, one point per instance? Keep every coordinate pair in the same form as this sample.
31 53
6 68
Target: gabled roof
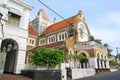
60 25
44 16
31 31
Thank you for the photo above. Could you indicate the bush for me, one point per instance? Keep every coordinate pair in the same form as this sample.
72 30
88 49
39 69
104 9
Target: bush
46 57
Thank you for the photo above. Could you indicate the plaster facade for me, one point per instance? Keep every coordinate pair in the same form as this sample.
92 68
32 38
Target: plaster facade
15 30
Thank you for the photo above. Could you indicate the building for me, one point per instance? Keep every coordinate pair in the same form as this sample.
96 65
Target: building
41 22
31 41
73 36
13 34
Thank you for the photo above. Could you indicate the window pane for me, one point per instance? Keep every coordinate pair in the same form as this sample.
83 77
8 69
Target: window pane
13 19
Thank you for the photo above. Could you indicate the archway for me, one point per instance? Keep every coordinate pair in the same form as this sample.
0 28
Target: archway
98 60
83 60
10 47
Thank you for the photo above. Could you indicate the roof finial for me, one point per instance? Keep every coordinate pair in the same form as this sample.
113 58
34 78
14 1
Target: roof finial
80 11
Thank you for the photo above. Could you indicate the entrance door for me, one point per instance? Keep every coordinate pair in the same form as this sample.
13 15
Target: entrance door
2 61
10 61
10 47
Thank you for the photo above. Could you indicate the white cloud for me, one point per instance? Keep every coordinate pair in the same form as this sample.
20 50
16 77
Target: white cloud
109 28
106 34
113 17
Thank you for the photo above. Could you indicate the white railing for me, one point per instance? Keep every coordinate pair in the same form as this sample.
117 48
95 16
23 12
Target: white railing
89 45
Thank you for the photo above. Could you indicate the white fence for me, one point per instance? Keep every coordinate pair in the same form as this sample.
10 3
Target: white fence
80 73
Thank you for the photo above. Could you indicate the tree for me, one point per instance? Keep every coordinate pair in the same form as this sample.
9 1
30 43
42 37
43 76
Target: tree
81 57
96 40
108 49
46 57
112 63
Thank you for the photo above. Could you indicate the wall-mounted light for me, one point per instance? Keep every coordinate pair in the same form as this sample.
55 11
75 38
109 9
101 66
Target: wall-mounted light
1 15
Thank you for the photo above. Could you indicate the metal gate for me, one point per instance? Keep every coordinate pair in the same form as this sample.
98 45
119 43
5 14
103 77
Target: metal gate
2 61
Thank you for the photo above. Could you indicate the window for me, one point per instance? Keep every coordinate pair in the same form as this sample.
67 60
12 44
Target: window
31 41
52 39
13 19
66 35
62 36
43 26
42 41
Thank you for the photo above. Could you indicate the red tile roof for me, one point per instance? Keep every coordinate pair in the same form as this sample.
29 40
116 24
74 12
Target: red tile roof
44 16
31 31
47 45
60 25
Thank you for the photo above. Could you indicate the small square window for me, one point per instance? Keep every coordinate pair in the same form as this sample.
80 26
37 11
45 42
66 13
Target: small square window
13 19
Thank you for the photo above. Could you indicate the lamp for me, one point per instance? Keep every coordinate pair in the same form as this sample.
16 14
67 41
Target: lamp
1 16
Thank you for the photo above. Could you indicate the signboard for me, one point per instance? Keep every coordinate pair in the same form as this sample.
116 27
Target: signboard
2 61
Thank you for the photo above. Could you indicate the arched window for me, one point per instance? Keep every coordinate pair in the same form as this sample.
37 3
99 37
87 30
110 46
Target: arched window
51 39
66 35
62 36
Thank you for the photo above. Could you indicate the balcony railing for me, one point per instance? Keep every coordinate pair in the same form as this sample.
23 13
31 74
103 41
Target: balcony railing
89 45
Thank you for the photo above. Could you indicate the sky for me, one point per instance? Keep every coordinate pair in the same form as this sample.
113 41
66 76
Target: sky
102 16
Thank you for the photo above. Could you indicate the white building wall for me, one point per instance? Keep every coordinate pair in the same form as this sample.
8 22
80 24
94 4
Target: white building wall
80 73
19 34
93 62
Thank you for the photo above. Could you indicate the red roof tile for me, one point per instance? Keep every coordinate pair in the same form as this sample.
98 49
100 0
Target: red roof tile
60 25
48 45
31 31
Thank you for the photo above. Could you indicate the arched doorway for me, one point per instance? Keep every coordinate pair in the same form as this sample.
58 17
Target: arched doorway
10 47
83 60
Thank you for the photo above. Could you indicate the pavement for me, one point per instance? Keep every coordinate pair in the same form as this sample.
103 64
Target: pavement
106 76
13 77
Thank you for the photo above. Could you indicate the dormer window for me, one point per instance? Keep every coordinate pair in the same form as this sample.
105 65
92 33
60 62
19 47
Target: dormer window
13 20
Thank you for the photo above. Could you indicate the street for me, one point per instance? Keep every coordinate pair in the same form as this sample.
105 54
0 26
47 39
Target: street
106 76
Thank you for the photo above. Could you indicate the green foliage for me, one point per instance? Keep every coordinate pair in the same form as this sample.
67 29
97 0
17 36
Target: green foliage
96 40
82 57
79 57
46 57
112 62
4 5
108 49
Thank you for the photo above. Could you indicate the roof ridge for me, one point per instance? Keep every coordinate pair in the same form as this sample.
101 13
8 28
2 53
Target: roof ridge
65 22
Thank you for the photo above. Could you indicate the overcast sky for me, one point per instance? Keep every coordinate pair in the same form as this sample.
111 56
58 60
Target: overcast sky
102 16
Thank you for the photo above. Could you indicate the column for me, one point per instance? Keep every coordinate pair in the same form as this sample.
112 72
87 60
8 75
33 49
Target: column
100 64
80 64
84 65
107 64
103 64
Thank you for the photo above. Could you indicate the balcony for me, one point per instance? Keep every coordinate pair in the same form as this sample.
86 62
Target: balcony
89 45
